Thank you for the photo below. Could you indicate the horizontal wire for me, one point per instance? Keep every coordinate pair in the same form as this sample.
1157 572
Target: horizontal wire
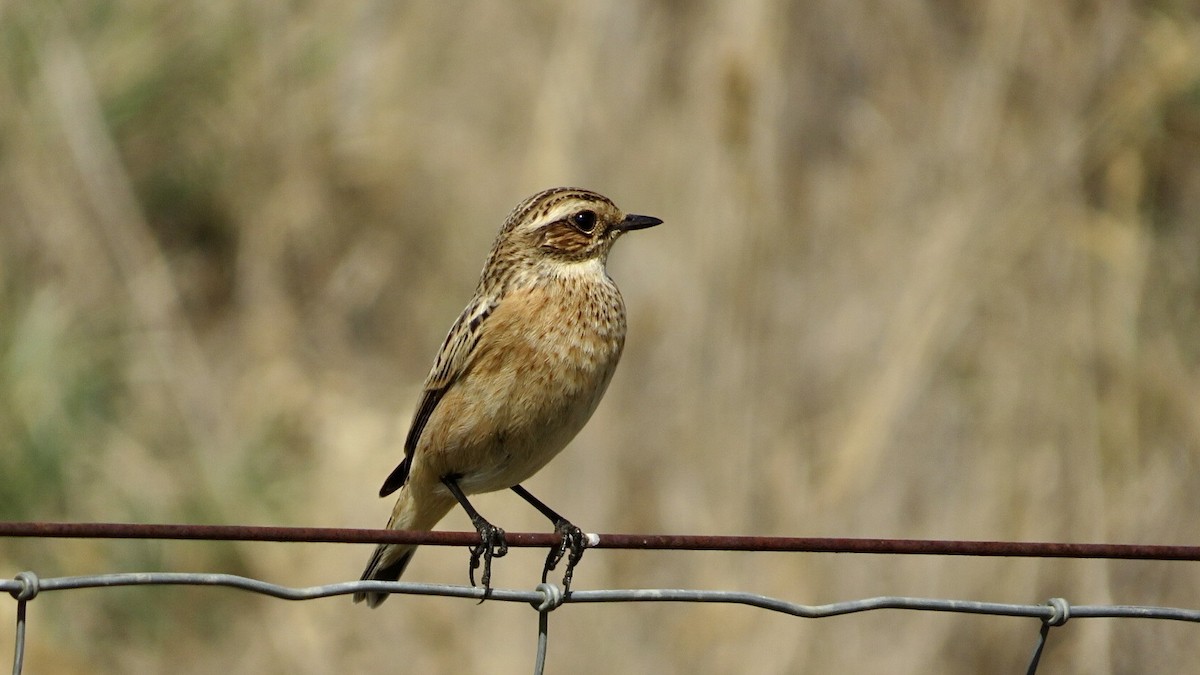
1028 549
1044 612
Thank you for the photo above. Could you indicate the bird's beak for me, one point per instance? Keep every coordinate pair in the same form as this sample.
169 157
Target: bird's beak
636 222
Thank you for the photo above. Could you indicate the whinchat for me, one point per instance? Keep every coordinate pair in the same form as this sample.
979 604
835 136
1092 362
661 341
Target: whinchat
519 374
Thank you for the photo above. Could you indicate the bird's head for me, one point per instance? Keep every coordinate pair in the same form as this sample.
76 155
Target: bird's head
566 225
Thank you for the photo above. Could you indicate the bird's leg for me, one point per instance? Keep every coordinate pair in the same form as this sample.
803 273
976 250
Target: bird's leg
491 538
572 539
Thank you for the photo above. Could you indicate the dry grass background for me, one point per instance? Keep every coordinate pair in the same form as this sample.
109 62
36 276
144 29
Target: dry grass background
929 269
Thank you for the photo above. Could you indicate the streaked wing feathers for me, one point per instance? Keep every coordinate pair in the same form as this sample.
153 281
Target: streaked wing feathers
451 361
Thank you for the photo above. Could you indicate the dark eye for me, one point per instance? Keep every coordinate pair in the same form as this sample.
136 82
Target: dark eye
584 221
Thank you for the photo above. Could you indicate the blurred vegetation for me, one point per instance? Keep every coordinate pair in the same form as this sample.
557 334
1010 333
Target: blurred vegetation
929 269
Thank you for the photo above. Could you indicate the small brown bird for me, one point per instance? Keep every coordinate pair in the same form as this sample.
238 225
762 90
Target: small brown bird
519 374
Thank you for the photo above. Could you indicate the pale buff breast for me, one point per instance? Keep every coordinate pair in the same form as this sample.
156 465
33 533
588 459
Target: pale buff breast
542 364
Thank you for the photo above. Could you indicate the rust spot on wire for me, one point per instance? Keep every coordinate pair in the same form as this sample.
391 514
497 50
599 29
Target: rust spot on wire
1026 549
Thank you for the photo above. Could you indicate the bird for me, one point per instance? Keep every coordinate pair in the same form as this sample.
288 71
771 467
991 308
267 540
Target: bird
519 374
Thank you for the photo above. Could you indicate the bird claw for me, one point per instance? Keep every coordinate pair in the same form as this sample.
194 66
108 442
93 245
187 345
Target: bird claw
574 541
491 545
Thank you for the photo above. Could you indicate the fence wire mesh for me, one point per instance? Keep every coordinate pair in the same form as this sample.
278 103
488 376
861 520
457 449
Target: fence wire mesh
545 598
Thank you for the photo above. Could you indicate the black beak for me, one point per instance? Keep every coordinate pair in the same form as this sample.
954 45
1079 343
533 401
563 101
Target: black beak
635 222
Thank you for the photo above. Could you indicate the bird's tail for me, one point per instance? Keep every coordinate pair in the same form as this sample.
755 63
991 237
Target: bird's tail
387 564
415 509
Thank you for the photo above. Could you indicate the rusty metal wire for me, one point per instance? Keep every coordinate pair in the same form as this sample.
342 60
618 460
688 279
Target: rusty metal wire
1027 549
547 597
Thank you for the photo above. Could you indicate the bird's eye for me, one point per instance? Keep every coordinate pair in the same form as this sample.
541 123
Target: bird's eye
584 221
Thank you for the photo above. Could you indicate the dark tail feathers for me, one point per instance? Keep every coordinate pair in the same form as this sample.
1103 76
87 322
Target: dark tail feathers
376 572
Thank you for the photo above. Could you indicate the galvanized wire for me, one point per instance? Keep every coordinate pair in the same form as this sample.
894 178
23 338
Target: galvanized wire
19 648
548 597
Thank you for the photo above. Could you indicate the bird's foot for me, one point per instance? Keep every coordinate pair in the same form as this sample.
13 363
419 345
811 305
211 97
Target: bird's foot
491 545
572 544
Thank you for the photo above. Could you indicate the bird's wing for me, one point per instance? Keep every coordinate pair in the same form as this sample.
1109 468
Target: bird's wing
451 362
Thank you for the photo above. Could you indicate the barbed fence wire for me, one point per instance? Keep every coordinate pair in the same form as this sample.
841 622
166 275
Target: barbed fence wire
544 599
